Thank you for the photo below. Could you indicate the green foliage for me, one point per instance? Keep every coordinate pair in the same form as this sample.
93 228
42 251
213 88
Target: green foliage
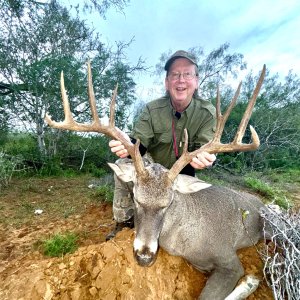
101 6
96 171
82 153
45 39
60 244
51 167
39 40
105 192
75 153
23 144
8 165
276 120
286 176
269 192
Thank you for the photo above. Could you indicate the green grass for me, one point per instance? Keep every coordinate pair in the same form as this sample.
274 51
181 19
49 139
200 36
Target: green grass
286 176
60 244
273 187
268 191
105 192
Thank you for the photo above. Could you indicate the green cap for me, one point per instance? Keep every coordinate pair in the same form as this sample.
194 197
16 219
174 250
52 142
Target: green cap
180 54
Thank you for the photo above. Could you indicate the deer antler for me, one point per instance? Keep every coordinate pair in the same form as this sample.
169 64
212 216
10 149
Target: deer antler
110 130
215 146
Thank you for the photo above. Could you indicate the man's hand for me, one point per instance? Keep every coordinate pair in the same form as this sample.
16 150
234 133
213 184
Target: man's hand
117 147
203 160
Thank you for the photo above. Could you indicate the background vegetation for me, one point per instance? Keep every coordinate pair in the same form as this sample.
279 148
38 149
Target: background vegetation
39 40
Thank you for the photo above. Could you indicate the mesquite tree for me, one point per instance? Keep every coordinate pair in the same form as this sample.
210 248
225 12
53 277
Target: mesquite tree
37 42
276 119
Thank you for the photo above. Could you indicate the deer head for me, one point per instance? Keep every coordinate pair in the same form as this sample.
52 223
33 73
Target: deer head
154 185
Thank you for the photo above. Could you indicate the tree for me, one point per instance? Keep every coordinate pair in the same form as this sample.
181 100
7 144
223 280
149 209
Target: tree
276 120
39 41
18 6
3 124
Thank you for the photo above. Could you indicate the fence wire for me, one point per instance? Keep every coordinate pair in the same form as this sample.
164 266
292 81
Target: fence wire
281 253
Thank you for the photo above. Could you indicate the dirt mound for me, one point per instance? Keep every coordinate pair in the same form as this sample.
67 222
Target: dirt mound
98 269
108 271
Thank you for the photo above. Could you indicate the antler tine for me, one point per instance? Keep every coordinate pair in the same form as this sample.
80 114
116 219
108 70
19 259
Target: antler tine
221 120
91 95
215 146
182 161
186 157
113 106
68 121
244 122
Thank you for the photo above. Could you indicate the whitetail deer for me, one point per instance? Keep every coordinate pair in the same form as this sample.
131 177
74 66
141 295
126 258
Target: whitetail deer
202 223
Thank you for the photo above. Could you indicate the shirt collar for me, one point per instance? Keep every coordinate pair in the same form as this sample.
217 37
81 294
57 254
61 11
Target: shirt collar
189 110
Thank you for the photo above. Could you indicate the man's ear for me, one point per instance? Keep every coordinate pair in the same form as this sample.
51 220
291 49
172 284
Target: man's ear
125 172
187 184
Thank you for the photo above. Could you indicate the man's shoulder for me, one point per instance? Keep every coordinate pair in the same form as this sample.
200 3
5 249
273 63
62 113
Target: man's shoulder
158 103
206 105
155 107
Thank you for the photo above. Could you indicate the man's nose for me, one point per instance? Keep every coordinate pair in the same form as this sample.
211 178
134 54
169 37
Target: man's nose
181 77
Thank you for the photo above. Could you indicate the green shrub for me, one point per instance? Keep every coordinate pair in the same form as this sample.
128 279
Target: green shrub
51 167
267 191
60 244
8 165
96 171
21 143
286 176
105 192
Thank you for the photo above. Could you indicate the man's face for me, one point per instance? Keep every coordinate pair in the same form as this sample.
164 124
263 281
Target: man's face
181 89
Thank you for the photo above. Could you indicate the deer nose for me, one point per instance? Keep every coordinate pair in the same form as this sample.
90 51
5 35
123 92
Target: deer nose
145 257
145 252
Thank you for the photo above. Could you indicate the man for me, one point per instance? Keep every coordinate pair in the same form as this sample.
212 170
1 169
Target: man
160 129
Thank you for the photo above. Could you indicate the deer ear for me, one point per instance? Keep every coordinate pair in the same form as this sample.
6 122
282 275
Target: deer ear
125 172
187 184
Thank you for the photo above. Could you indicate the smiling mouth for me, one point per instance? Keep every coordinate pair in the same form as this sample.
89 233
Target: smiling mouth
180 89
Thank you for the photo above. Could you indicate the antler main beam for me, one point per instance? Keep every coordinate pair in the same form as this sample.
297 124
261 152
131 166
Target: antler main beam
215 145
70 124
96 126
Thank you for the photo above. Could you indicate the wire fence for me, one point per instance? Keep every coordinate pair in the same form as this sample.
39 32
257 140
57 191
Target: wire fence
281 253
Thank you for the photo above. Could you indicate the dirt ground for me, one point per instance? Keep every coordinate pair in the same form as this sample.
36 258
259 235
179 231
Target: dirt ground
98 269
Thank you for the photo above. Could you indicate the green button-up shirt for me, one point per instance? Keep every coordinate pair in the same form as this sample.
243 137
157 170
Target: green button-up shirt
154 128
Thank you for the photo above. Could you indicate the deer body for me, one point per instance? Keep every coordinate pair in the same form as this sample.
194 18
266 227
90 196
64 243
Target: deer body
202 223
209 221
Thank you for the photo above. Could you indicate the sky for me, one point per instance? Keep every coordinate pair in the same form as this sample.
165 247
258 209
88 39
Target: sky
264 31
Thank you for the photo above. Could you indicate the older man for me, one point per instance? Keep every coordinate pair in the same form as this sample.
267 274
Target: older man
160 129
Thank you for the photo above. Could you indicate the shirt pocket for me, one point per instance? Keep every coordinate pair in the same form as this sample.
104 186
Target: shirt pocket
164 137
162 130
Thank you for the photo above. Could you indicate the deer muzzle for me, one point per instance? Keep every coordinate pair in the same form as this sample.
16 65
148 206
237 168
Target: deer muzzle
144 254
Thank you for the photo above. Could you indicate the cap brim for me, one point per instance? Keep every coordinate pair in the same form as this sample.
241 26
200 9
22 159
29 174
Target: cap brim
171 60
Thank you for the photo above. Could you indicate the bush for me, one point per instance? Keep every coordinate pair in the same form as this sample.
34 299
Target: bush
105 192
60 244
270 193
8 165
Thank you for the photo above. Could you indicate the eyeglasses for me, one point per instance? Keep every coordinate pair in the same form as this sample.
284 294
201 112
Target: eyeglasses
176 75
